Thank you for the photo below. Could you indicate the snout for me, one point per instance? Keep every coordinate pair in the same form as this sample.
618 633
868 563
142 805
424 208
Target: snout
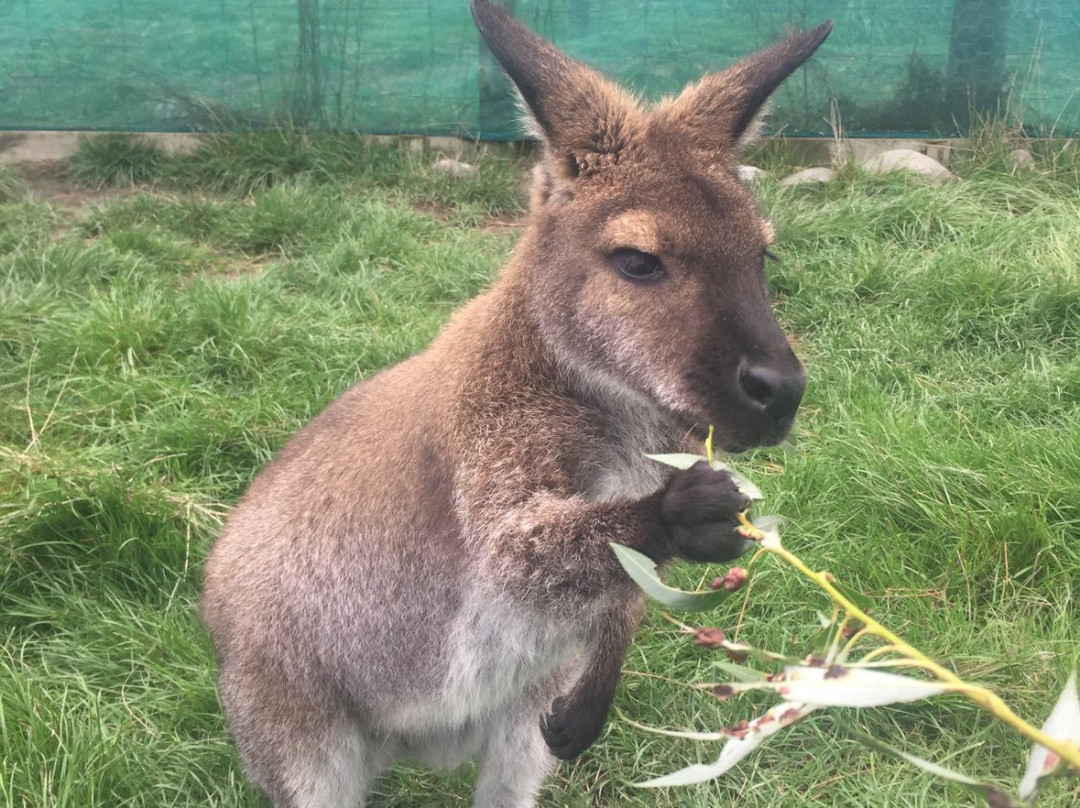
753 403
773 392
765 397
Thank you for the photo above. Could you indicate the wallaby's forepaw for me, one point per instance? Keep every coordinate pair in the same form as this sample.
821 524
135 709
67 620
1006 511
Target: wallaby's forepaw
701 508
569 729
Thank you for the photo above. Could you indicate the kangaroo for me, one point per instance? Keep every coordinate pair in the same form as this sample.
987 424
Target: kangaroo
424 571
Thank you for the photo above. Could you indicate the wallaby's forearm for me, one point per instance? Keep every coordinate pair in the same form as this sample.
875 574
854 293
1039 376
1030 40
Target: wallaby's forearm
561 546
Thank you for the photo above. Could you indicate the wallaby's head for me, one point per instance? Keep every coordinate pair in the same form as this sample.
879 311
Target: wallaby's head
646 253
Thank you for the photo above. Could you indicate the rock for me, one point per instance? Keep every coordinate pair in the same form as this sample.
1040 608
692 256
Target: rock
1020 158
750 175
809 175
910 161
454 168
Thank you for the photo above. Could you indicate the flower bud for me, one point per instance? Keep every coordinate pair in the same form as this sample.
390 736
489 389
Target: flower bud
735 579
723 692
709 637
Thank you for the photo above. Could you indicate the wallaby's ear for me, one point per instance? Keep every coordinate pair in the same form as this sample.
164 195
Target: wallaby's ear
720 109
579 114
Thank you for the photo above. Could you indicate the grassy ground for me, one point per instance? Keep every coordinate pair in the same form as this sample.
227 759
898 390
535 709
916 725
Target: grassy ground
159 341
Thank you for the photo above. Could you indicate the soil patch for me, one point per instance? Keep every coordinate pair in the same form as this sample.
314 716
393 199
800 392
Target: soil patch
48 182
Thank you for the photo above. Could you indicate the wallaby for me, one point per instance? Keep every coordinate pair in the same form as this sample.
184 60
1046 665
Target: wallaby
424 571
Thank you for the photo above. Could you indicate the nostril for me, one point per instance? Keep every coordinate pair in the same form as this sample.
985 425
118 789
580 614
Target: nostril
755 383
776 393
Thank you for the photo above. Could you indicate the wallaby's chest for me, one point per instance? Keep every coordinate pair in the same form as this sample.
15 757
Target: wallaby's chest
495 650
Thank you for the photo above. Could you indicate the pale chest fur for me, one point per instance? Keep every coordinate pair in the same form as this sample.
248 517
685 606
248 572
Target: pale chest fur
495 652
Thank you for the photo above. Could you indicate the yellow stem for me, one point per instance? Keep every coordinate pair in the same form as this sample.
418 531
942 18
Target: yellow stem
986 699
858 635
885 649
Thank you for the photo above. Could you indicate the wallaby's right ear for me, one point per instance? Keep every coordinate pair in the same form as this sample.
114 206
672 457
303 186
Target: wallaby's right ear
720 110
582 117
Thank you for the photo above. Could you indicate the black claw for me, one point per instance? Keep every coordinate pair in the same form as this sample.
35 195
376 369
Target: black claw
568 732
701 507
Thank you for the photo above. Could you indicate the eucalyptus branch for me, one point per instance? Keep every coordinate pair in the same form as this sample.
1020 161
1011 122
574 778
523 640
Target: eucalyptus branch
829 677
985 698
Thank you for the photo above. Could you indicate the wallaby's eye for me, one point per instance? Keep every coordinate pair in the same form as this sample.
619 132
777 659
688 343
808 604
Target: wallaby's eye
771 256
637 265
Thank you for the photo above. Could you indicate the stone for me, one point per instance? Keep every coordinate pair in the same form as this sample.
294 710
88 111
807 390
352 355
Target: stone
1021 158
908 160
454 168
809 175
750 175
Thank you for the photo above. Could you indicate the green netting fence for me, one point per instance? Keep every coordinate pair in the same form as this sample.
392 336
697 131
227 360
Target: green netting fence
919 67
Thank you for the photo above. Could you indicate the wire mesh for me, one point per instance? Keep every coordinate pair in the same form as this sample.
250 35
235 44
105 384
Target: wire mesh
417 66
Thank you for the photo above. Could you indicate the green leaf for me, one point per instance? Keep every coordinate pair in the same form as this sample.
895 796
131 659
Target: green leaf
642 570
741 672
744 484
767 522
862 601
991 793
824 643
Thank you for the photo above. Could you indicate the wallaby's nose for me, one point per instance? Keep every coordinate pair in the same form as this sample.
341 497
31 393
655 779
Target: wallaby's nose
775 393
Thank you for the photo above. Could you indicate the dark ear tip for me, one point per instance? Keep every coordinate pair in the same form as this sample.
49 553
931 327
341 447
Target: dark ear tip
484 12
801 44
820 33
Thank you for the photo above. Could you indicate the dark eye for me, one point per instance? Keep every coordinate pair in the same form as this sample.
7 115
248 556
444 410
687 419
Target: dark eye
771 256
637 265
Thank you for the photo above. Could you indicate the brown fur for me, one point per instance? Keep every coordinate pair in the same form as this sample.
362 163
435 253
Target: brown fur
424 571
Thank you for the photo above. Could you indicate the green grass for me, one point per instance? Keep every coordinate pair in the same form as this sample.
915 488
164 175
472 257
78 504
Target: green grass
115 159
158 346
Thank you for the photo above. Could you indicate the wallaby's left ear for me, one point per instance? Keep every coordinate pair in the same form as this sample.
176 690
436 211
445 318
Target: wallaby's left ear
720 109
582 117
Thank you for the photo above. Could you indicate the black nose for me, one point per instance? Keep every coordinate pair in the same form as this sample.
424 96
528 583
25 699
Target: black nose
774 392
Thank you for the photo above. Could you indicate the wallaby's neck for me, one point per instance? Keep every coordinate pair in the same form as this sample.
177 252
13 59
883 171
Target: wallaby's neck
521 358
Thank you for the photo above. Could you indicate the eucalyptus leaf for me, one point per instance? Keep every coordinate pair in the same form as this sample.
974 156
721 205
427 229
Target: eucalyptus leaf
1063 724
740 672
845 686
642 570
743 650
745 485
673 733
824 644
684 461
771 539
738 747
767 522
860 600
679 460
